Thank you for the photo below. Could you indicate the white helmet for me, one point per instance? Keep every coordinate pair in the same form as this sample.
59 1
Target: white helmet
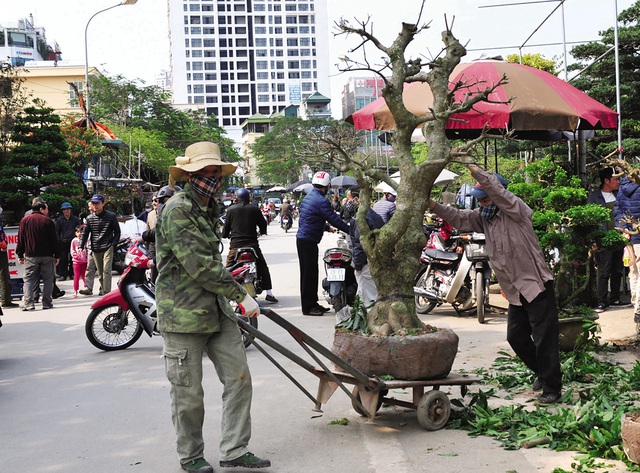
321 178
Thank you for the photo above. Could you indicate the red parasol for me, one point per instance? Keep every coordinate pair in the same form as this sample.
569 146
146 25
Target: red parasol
539 102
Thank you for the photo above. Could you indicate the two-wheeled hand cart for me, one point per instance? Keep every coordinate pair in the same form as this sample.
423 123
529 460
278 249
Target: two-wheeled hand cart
369 392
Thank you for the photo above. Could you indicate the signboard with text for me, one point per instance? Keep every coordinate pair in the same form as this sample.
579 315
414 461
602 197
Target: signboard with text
16 270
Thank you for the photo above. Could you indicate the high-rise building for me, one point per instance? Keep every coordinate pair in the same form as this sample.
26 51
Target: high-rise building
236 58
22 42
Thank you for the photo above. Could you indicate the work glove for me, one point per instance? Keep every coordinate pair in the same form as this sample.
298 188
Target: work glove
249 306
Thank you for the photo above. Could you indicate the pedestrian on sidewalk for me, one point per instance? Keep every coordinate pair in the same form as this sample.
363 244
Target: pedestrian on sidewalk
66 225
38 250
523 274
5 277
609 265
103 232
79 259
194 315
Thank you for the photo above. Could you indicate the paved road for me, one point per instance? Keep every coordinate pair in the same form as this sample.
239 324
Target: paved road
68 407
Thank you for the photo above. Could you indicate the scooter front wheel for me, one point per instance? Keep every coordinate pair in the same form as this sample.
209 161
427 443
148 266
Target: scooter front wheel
423 304
112 328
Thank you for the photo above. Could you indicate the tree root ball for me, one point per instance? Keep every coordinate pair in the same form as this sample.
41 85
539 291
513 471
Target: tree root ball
409 357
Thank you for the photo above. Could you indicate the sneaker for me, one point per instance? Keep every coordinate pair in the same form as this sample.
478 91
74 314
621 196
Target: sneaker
313 311
197 466
248 460
27 307
537 385
58 295
44 307
85 292
620 304
322 308
271 298
546 399
10 304
600 308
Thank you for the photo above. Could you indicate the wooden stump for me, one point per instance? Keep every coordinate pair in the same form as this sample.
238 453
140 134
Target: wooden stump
411 357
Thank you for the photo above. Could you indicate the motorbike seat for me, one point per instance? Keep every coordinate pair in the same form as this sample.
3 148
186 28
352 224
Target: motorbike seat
443 255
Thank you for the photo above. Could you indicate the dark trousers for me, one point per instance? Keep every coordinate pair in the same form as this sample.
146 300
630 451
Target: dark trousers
610 268
65 266
532 332
261 265
308 261
5 278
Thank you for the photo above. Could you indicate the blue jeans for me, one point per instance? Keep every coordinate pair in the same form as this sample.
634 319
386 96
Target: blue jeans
183 354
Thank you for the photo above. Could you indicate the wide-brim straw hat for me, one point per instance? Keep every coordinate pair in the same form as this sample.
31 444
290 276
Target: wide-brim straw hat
198 156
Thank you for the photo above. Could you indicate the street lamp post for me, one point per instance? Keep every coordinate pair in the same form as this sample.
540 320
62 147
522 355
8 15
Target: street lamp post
86 56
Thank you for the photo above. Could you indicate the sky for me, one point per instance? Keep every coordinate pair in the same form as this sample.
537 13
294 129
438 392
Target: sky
133 40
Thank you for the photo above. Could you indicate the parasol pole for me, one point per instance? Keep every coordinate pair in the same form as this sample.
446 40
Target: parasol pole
617 60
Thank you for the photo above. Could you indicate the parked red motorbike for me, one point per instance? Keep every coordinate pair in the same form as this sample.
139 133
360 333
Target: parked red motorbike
118 318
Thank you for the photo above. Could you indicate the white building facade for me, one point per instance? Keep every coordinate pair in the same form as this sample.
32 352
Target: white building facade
236 58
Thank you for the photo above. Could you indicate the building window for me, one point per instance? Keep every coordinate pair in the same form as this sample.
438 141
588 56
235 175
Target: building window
212 99
212 89
261 30
305 64
243 76
193 7
210 66
196 65
305 74
207 20
209 53
208 31
198 99
262 75
261 53
292 30
211 77
294 75
292 41
292 52
259 20
209 43
73 98
243 87
292 20
262 65
258 7
196 53
194 20
261 42
198 76
263 88
198 89
195 30
263 98
306 86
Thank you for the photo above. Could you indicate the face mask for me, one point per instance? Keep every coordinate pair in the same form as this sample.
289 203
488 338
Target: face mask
488 211
391 198
205 186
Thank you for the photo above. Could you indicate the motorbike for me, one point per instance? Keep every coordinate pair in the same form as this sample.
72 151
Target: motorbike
266 213
245 272
340 284
458 275
119 264
117 319
287 222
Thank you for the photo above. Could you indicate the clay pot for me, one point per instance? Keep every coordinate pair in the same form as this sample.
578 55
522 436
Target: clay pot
569 330
630 430
411 357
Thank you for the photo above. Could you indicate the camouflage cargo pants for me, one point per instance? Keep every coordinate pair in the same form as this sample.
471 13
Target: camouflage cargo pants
183 353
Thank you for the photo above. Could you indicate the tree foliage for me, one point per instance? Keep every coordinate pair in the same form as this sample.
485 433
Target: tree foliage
38 164
536 60
13 98
598 80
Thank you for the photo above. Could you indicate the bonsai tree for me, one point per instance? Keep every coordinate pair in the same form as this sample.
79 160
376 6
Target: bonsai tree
393 251
569 229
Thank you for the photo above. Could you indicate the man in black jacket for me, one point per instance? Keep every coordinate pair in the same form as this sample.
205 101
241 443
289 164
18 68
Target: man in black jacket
240 226
104 231
66 231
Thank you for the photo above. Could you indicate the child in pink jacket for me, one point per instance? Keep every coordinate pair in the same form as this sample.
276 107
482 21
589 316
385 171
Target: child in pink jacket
79 260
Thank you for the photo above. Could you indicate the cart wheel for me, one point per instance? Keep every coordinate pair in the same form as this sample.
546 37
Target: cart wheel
433 410
356 394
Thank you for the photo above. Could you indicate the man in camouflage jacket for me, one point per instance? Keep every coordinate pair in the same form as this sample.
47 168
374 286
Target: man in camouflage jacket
194 316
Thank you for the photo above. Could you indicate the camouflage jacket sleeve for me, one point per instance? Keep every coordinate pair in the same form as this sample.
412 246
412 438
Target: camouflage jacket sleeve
193 284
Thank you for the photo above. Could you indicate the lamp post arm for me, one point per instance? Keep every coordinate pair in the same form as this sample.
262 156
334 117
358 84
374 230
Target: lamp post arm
86 62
